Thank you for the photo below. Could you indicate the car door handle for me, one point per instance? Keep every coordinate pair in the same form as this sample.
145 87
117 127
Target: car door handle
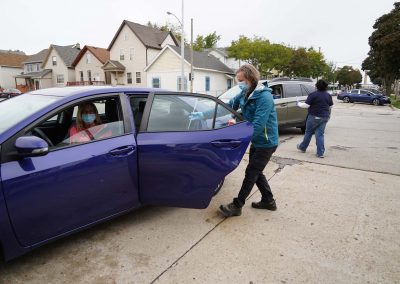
227 143
124 150
283 105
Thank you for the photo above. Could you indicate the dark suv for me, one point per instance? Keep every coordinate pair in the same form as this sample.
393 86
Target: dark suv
285 92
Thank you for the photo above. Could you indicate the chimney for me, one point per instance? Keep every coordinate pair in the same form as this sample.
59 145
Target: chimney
77 46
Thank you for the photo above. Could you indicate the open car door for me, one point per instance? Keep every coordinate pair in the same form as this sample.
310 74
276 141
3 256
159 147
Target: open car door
182 160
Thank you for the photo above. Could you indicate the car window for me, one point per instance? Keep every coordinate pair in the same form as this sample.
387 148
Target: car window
292 90
137 105
277 91
309 88
71 127
364 92
188 113
354 91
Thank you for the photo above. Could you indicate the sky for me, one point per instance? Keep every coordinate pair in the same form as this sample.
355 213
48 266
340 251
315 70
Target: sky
340 28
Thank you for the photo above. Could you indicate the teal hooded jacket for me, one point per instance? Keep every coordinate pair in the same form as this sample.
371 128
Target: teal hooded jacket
259 109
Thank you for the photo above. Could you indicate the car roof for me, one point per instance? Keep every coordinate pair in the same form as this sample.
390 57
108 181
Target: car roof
70 91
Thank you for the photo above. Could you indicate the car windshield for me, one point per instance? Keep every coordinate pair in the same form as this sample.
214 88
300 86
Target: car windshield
229 94
17 109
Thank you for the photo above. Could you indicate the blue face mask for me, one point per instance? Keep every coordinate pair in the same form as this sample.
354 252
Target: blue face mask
243 86
88 118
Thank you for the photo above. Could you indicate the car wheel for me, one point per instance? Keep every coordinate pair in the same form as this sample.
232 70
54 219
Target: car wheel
375 102
346 99
219 186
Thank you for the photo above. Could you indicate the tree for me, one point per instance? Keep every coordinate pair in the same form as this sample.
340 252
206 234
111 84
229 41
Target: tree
208 41
383 61
348 76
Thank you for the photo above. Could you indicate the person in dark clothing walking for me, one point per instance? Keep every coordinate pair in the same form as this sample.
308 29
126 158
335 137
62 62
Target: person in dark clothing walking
257 105
319 106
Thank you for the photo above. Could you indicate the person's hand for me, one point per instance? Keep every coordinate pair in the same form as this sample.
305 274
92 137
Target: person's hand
196 115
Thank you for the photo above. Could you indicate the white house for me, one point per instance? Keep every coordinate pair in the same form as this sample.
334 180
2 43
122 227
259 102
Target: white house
131 50
10 66
89 66
222 55
59 60
34 77
210 76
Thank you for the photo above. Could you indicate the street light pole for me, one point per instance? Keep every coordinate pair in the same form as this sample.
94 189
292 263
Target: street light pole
181 22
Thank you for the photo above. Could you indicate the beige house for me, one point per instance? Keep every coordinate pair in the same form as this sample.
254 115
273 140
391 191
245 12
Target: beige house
34 77
210 76
133 47
59 60
89 66
11 65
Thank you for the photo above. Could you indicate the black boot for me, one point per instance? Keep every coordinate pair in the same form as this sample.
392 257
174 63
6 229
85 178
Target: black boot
230 210
271 205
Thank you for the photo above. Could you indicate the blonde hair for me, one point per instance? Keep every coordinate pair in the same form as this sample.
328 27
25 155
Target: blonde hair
251 74
80 125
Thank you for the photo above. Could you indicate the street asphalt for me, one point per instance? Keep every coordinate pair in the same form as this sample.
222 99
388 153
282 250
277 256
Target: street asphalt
338 221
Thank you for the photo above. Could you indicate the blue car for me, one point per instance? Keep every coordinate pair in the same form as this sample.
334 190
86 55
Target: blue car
143 150
364 96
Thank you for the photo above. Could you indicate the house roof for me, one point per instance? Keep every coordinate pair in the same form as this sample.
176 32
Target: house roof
101 54
38 57
39 74
203 60
113 65
10 59
67 53
150 37
221 50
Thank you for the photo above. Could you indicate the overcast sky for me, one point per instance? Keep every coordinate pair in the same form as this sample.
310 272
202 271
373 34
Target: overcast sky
339 27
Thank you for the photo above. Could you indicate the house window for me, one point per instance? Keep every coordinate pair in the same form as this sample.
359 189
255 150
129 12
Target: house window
37 67
138 78
81 75
207 83
29 67
131 52
88 58
228 84
129 77
121 54
60 79
126 36
89 75
54 60
182 84
156 82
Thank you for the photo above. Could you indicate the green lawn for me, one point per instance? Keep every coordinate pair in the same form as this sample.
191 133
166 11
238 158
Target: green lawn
395 103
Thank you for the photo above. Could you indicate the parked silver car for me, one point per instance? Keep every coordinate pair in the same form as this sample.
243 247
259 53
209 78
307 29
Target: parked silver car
286 92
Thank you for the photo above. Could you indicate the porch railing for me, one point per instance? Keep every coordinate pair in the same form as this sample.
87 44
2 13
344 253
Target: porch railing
86 83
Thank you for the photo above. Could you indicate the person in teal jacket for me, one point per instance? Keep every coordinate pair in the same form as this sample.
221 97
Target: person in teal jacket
257 105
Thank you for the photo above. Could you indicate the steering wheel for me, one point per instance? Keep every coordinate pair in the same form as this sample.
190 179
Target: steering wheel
39 133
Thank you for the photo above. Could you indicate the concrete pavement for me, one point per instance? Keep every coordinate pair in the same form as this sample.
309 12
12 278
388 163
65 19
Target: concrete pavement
337 222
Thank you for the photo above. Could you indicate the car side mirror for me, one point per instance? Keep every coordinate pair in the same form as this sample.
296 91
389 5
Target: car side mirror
31 146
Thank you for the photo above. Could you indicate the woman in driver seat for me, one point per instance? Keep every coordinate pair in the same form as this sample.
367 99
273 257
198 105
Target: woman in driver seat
88 125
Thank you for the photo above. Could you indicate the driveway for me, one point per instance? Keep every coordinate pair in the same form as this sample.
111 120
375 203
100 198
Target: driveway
337 222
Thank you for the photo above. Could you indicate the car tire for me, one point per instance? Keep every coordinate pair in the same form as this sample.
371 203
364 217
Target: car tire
375 102
346 99
219 186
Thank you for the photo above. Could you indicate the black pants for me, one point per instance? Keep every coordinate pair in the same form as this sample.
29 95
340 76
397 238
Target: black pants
258 159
